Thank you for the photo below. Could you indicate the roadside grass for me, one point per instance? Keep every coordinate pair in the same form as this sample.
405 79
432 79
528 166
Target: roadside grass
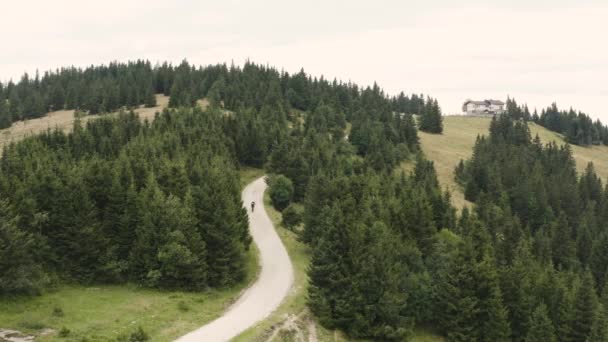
458 139
105 312
249 174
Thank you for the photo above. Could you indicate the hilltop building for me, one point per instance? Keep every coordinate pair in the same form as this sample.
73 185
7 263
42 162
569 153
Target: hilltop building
485 107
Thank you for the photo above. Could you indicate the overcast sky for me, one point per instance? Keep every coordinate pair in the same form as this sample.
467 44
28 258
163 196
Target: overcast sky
538 53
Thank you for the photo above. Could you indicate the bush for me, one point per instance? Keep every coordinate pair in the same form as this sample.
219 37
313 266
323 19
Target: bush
182 306
292 217
58 312
64 332
139 335
281 191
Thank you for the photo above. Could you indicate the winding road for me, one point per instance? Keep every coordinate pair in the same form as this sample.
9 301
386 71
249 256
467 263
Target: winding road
269 290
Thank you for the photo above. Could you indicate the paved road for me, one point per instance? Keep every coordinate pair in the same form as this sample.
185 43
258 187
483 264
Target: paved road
273 284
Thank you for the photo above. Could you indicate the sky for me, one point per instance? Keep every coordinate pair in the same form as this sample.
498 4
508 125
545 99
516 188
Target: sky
536 51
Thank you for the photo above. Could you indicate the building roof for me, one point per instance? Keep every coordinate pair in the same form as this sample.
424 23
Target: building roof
495 102
484 102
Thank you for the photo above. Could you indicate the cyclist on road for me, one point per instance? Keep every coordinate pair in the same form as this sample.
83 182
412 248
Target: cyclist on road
252 205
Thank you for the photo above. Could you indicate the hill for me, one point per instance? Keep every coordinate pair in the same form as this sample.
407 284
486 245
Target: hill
458 138
64 120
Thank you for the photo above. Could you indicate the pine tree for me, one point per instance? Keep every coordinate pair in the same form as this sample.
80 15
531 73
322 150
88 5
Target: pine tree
585 306
19 271
541 328
431 120
5 116
599 330
223 224
329 278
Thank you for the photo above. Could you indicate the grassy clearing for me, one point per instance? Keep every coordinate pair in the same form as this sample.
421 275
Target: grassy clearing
102 313
457 143
64 120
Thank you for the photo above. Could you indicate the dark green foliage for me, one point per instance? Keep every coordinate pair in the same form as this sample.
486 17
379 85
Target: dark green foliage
356 276
130 210
546 226
280 191
19 271
470 306
64 332
98 89
577 127
183 307
541 328
584 313
430 119
292 217
58 311
139 335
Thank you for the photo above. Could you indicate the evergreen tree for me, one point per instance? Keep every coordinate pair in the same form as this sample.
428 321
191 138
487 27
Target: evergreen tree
585 306
280 191
431 120
19 271
541 328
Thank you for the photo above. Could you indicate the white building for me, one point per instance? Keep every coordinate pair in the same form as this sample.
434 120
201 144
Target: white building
487 107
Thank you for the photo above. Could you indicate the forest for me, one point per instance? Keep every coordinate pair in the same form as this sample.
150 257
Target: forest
157 203
577 128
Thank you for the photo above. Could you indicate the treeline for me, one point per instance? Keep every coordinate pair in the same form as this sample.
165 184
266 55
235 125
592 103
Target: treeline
544 241
99 89
428 110
578 128
96 89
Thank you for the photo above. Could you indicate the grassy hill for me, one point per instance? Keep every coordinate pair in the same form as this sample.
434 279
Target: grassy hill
64 120
458 139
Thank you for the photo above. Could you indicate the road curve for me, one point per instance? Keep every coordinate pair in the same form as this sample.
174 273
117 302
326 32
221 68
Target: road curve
269 290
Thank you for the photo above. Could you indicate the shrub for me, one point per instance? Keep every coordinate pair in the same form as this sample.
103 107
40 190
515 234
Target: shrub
292 217
58 312
139 335
64 332
182 306
281 191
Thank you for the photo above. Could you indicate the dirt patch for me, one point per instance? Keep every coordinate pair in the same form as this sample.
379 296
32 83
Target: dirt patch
289 330
294 328
203 103
7 335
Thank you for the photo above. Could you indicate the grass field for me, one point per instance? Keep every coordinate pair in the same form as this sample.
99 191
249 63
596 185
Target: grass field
458 139
102 313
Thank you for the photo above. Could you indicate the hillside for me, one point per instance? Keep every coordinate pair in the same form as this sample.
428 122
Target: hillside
64 120
458 139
